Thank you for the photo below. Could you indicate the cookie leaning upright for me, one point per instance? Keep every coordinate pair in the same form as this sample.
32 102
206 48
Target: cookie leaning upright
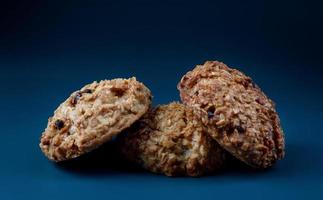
171 139
92 116
245 121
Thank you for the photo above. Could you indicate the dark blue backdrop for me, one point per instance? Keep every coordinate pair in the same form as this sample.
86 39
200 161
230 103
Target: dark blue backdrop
50 48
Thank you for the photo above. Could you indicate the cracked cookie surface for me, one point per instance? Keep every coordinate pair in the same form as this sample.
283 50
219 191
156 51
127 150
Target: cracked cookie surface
244 119
92 116
172 140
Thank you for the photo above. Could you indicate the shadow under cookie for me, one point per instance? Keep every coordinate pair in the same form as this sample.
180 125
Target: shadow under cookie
105 160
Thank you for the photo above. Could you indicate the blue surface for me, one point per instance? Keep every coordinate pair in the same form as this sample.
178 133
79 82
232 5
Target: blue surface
49 49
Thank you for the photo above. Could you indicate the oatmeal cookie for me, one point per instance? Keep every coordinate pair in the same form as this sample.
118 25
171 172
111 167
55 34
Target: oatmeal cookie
244 119
171 139
92 116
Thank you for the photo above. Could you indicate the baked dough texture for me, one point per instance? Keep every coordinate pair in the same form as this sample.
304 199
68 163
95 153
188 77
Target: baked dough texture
172 140
244 119
92 116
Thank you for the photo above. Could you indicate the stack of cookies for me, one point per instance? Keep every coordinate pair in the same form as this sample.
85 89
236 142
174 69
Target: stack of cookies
223 113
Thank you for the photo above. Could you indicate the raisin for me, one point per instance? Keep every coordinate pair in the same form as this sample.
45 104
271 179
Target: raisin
246 83
249 82
210 115
240 129
78 95
260 100
210 112
59 124
75 98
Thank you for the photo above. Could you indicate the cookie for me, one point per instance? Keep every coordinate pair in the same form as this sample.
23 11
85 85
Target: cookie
244 119
92 116
172 140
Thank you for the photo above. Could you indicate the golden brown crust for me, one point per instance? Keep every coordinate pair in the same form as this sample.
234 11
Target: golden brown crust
244 119
92 116
172 139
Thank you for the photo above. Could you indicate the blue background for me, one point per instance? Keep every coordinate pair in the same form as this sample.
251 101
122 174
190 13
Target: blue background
50 48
